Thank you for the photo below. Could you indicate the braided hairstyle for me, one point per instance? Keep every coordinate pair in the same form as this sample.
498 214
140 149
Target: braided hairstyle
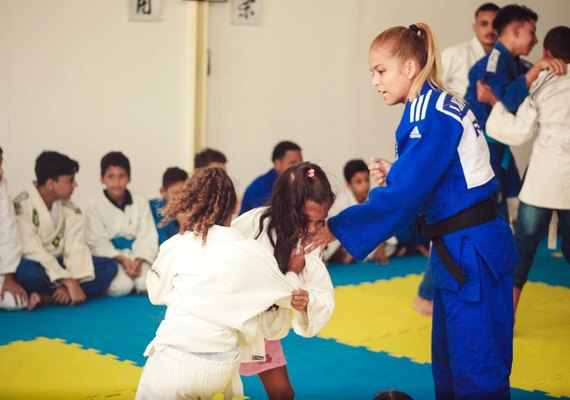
287 221
208 198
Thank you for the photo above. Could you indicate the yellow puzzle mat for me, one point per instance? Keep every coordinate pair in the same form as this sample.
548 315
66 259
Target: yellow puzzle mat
376 315
382 319
50 369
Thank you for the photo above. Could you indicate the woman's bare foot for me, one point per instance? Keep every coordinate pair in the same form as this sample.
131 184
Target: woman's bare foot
423 306
423 249
401 251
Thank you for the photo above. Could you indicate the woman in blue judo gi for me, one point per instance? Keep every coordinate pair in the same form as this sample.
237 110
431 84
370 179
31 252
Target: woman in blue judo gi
442 173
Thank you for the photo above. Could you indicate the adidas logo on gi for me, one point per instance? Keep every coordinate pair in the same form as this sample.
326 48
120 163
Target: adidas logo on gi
415 133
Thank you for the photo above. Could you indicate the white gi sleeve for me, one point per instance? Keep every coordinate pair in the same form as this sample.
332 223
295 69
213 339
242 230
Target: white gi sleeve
159 280
95 234
511 129
145 245
10 247
76 254
32 246
316 280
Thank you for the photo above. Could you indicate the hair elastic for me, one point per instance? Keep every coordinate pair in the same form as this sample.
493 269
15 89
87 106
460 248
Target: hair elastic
414 28
311 173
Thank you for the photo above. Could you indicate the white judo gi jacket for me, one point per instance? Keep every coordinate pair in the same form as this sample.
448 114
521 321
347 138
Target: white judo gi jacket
10 248
546 114
106 222
456 62
43 241
214 292
314 278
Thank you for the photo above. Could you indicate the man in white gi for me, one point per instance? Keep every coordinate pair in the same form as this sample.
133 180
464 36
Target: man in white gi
458 59
12 295
546 188
57 263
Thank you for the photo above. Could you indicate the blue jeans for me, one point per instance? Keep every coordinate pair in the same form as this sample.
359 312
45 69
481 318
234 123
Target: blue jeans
532 227
507 175
32 276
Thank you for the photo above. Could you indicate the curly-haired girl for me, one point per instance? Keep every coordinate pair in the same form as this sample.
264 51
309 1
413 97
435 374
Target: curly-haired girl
215 283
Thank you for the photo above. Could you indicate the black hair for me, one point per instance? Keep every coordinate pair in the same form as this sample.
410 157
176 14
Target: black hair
512 13
52 165
1 152
392 395
173 175
557 41
287 221
115 159
208 198
352 167
207 156
283 147
487 7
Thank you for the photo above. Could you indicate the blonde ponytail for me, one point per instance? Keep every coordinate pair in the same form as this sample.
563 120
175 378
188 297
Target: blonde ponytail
416 42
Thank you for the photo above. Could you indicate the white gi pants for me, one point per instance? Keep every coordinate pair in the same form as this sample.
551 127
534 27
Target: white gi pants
177 374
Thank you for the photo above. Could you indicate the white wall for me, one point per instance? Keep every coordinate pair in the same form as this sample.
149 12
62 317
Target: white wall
78 78
302 74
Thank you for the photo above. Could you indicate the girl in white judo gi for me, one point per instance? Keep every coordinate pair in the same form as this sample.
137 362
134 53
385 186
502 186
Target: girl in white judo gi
300 202
215 283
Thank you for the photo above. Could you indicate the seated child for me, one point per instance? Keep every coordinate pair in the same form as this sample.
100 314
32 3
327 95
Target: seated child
357 178
120 225
210 158
56 262
12 295
213 302
172 180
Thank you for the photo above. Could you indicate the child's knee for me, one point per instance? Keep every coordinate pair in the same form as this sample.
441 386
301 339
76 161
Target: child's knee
121 285
140 281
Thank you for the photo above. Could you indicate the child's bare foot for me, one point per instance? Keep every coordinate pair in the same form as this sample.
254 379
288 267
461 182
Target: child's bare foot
36 300
423 306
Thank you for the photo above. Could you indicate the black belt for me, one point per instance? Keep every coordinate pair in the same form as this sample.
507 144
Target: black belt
475 215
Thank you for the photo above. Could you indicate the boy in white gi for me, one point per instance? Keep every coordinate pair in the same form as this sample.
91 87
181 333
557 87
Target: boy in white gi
215 282
544 114
120 225
56 262
12 295
357 179
457 60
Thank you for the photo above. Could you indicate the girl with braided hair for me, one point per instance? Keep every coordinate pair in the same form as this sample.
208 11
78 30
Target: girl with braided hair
299 204
215 283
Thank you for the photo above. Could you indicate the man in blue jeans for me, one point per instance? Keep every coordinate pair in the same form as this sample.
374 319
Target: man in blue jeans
546 188
56 262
